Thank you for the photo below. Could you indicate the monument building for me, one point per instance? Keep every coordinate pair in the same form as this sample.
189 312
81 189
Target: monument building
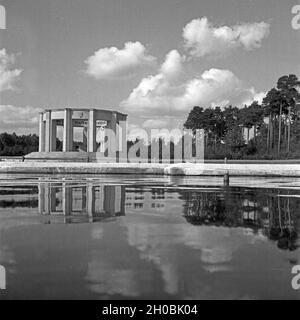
96 124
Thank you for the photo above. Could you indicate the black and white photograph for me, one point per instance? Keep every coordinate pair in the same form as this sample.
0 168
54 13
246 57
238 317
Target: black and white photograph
149 152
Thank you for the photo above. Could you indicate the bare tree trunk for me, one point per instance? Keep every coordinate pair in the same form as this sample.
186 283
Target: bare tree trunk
248 135
285 133
215 141
279 214
279 130
289 130
272 133
268 137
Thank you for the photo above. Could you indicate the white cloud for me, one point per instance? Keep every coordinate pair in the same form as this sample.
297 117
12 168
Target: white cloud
216 87
8 76
173 64
202 38
15 118
112 62
156 92
255 96
169 94
168 128
155 123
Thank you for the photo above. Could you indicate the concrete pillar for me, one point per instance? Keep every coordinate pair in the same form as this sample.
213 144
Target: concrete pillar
83 204
113 123
52 199
41 133
68 131
187 144
53 135
48 133
100 204
200 146
90 200
122 141
67 199
123 198
41 198
112 138
85 138
92 131
47 208
109 200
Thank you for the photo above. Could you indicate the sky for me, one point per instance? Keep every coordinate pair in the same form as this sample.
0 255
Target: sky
151 59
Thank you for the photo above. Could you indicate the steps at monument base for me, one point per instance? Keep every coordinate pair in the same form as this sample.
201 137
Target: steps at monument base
100 158
58 157
68 157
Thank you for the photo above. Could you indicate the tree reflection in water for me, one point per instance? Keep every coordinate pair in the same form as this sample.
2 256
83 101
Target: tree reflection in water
271 211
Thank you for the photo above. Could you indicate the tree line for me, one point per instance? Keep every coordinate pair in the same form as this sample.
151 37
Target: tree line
274 124
15 145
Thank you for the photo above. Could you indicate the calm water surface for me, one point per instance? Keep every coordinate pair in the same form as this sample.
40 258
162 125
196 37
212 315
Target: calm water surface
139 238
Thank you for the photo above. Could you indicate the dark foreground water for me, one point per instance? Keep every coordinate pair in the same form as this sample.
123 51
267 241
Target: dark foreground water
146 237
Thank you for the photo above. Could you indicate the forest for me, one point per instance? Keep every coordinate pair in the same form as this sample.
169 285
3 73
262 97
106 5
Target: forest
270 130
15 145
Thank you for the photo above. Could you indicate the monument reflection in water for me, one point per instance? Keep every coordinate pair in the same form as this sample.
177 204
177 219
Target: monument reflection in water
146 239
86 203
268 211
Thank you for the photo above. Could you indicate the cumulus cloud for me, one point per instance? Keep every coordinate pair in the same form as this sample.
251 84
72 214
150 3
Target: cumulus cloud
155 92
112 62
217 87
202 38
168 93
18 118
255 96
173 64
155 123
156 128
8 75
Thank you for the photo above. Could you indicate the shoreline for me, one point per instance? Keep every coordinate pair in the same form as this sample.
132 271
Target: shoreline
182 169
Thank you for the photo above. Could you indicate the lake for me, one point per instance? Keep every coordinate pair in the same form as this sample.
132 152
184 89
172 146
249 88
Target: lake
148 237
